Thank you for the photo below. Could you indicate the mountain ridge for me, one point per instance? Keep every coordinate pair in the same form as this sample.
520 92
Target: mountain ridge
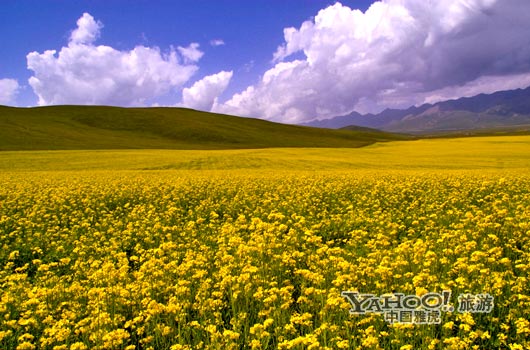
497 110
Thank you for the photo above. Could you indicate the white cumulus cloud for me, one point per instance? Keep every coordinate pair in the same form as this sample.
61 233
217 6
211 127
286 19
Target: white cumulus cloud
191 53
397 53
84 73
204 93
87 31
8 91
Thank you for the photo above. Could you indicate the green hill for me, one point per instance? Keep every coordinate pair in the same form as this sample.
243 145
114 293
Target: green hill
100 127
376 133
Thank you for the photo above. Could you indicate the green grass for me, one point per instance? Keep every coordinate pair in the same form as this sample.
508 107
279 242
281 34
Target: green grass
503 152
499 131
100 127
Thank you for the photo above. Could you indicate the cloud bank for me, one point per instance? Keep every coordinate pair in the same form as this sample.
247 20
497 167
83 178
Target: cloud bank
396 54
8 91
83 73
204 93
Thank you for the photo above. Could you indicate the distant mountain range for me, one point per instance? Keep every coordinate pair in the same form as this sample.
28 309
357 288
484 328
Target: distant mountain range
504 109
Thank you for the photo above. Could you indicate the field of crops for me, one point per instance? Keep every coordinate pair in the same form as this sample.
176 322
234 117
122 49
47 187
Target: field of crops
257 259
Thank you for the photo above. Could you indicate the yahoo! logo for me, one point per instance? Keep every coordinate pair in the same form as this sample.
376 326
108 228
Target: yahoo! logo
427 309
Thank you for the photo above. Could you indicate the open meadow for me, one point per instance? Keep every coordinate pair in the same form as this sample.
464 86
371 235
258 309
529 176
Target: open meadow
252 248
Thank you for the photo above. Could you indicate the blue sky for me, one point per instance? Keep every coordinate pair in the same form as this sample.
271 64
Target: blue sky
251 32
240 57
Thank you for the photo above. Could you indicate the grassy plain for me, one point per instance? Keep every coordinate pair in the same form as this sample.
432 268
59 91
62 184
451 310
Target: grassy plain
250 249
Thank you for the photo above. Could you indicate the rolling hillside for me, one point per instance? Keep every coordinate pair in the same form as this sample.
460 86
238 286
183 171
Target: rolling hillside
100 127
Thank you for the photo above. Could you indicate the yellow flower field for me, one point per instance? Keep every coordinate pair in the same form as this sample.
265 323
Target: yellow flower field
243 259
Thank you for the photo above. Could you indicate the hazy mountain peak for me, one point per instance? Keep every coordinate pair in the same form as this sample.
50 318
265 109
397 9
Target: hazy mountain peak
500 109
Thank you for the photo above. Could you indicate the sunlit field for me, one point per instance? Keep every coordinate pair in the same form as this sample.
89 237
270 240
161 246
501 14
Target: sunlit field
507 152
251 249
